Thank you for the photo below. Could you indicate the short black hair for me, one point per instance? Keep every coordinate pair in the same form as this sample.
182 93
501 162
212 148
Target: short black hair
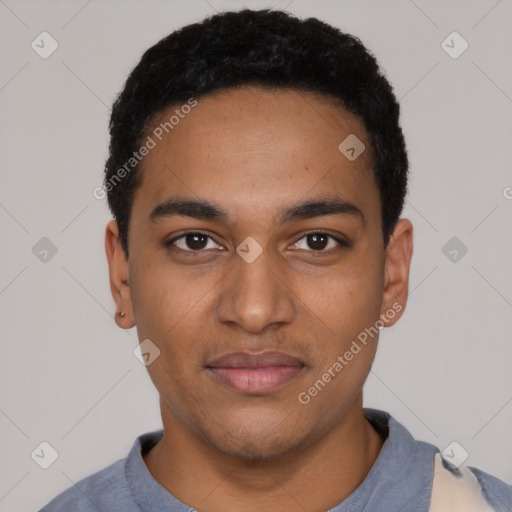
269 48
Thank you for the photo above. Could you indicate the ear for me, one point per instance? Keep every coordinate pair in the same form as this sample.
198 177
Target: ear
396 272
119 276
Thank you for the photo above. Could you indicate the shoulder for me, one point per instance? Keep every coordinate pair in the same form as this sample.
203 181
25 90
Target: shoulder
415 471
467 489
105 490
496 491
115 488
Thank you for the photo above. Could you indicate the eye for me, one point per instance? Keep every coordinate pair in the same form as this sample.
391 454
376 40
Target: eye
193 242
319 242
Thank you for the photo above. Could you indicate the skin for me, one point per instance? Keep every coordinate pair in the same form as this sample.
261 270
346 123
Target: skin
253 151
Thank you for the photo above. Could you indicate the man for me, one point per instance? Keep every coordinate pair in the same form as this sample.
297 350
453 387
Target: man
257 173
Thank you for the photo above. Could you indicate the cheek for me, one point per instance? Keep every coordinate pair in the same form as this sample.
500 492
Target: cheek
347 304
348 298
173 308
163 295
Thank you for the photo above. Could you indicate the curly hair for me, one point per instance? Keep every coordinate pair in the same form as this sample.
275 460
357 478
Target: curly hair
268 48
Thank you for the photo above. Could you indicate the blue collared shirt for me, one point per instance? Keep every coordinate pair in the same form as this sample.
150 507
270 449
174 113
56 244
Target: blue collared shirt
400 480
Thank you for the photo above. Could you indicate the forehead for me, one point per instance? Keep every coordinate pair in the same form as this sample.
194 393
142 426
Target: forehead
255 146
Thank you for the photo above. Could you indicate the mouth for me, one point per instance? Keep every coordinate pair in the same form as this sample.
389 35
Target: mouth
255 373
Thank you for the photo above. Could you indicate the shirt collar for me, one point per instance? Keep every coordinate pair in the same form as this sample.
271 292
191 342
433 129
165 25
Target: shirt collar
397 450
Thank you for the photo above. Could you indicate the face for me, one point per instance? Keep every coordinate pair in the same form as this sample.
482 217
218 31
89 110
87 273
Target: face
256 260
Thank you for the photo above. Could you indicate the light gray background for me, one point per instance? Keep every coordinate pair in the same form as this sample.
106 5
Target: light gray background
69 376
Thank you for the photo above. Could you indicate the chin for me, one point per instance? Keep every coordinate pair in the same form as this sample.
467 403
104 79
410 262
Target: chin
252 444
252 451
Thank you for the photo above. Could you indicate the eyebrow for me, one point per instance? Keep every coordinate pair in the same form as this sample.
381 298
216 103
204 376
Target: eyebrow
205 210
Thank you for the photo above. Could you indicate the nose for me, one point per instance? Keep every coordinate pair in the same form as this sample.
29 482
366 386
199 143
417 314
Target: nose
256 295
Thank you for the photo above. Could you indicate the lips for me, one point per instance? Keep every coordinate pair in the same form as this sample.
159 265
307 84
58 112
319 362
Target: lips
255 373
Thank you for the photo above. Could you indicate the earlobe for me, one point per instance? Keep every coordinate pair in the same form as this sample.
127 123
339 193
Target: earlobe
119 276
396 271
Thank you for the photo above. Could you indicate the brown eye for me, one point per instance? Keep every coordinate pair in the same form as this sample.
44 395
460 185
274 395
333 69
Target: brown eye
196 241
319 242
193 242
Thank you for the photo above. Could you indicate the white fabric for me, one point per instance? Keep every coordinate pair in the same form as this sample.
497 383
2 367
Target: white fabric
456 492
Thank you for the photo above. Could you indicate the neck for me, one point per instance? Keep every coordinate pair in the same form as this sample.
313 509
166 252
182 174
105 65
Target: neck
316 478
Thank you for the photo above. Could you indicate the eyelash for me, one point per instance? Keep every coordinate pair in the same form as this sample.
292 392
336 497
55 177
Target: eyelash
191 252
